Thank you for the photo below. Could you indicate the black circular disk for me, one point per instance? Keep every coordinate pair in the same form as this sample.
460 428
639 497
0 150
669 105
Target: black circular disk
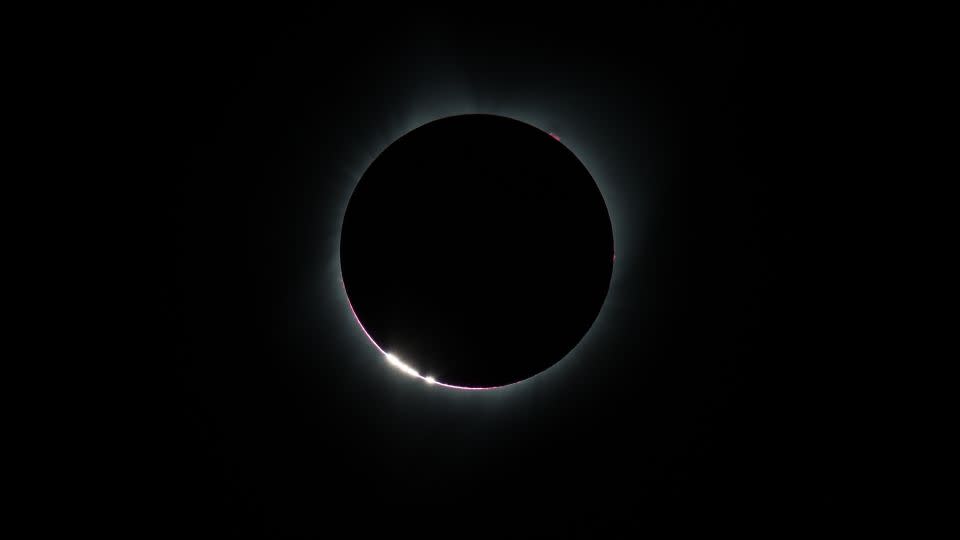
477 250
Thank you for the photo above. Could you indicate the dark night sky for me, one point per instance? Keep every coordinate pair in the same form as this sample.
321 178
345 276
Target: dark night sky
692 391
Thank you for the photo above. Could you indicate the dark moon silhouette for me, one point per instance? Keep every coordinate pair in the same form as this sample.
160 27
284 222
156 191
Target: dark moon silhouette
476 250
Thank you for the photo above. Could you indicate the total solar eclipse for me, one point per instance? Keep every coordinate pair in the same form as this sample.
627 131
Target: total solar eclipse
476 251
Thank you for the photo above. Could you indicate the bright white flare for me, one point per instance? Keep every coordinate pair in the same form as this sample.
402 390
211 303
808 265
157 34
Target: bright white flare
395 362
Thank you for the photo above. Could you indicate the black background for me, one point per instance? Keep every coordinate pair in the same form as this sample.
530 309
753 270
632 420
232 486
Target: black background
699 392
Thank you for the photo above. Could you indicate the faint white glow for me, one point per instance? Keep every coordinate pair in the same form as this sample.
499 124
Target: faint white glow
357 318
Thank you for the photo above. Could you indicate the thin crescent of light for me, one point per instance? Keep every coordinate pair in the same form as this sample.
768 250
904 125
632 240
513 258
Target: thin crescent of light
405 368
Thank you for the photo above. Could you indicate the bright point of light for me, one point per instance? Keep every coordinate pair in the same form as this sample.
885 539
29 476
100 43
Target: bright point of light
395 362
430 380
